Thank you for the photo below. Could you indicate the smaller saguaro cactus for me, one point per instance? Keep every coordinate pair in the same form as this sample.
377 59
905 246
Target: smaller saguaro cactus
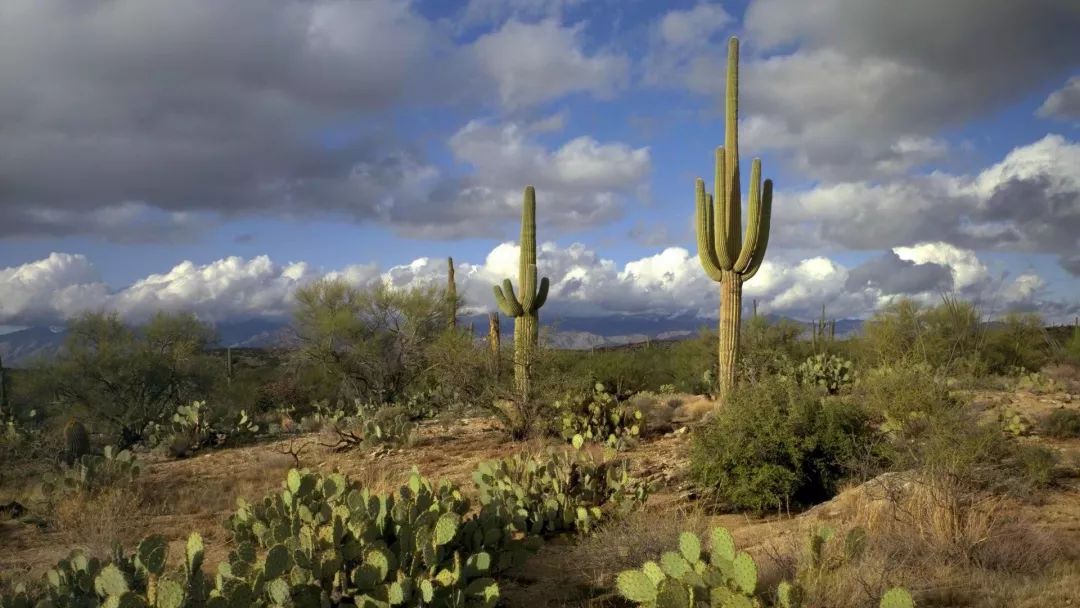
228 365
76 441
526 310
3 389
494 341
451 294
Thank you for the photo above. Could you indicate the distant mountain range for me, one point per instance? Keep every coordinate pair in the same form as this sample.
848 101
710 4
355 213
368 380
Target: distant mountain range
576 333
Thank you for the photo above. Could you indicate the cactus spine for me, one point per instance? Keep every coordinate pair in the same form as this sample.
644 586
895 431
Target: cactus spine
494 341
533 295
76 441
726 257
451 294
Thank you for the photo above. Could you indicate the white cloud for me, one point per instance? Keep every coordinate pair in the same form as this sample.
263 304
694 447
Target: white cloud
536 62
583 284
1027 202
1064 103
842 88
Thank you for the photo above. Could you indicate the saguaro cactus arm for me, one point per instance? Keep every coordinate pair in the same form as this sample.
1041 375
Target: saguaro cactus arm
507 299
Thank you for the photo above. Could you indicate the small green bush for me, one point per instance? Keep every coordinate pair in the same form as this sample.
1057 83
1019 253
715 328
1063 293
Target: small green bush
1020 341
1062 424
905 397
776 444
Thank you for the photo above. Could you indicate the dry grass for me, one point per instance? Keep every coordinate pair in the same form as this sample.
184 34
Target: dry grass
948 545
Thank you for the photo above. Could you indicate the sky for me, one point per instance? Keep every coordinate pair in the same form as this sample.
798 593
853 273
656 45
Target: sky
213 156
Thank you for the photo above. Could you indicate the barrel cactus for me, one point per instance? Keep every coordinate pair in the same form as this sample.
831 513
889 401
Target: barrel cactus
76 442
725 255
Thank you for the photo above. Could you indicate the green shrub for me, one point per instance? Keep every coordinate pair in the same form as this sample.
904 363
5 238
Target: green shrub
1062 424
777 444
1019 341
905 397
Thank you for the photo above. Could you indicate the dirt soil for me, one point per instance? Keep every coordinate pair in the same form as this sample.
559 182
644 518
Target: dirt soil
175 497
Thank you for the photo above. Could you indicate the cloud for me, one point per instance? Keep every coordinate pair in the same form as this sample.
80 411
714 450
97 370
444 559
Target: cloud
536 62
583 284
580 184
500 11
1063 104
1027 202
892 274
845 89
152 120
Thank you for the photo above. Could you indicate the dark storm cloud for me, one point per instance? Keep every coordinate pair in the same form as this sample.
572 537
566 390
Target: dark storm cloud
893 275
1071 263
205 106
868 83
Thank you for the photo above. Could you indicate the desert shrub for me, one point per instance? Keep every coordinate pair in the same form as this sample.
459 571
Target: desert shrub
568 491
597 416
372 341
128 378
715 574
769 348
905 397
1062 424
1070 350
949 337
1019 341
776 444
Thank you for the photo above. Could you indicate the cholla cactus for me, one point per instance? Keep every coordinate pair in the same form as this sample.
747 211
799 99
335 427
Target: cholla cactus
526 310
726 256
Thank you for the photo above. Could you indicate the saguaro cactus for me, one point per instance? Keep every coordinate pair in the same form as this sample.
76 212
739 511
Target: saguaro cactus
494 341
3 390
451 294
525 311
727 257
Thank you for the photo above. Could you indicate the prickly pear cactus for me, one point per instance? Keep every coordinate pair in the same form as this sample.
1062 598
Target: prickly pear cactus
1014 423
691 577
827 371
93 473
599 417
562 492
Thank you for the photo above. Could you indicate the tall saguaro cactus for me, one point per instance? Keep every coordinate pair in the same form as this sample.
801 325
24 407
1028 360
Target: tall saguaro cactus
726 256
451 294
525 310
